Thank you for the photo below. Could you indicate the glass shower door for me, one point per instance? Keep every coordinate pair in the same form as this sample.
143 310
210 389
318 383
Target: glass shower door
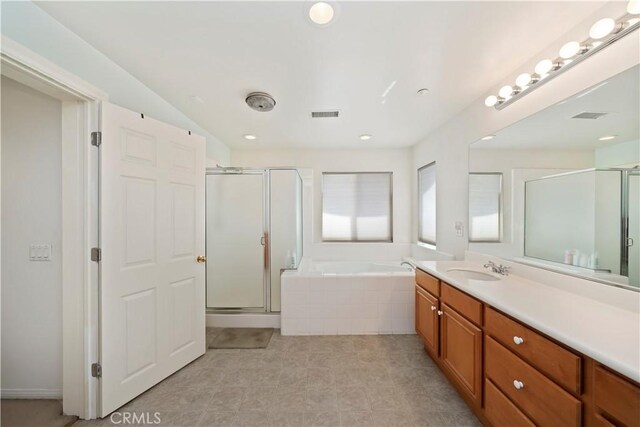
236 241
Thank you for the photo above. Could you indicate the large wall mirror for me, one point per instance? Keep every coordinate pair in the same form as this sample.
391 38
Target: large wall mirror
561 188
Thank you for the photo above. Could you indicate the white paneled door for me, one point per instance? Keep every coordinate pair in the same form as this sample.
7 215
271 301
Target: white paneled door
152 289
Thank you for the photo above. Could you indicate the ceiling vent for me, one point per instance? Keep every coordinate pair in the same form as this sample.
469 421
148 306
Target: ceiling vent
324 114
589 115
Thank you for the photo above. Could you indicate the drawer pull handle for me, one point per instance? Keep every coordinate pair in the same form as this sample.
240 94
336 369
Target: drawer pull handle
433 308
439 312
518 340
518 384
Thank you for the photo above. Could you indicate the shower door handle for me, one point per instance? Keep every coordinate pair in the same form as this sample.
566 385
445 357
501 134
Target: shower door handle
264 241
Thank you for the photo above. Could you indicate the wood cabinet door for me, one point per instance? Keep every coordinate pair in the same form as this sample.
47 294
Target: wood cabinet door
427 319
461 351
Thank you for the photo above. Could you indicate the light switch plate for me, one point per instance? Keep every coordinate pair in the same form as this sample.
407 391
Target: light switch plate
39 252
459 228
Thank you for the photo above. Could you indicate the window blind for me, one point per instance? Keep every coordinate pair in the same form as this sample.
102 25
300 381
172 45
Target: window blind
427 204
357 207
485 192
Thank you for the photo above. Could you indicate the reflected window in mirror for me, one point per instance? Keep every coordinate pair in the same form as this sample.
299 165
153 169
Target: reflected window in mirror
485 207
427 205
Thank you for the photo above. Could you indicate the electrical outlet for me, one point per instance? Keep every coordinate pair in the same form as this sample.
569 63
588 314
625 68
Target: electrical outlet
459 228
39 252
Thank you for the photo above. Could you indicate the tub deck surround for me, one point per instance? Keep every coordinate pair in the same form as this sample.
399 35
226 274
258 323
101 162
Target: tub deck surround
355 298
596 328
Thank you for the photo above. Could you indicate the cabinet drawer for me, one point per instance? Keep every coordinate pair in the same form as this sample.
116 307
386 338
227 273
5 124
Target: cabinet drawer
560 364
616 396
543 401
600 421
500 411
469 307
428 282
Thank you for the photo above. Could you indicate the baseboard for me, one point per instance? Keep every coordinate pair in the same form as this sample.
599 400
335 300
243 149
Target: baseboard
243 320
30 393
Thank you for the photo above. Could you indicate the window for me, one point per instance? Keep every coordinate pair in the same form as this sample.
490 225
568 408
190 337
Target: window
485 210
427 204
356 207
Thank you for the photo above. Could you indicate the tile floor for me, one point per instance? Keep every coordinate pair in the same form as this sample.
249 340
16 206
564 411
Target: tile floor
376 380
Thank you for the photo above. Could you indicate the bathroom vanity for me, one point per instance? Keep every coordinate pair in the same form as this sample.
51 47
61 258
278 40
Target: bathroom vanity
522 353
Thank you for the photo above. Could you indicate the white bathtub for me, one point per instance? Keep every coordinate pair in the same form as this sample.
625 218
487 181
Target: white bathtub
348 298
358 267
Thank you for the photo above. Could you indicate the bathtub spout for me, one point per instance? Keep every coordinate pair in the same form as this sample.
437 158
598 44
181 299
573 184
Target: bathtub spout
411 266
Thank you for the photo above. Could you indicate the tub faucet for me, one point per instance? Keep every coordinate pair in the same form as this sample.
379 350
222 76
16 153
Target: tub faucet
409 264
500 269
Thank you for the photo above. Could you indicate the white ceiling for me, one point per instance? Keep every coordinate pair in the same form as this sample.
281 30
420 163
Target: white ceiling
220 51
554 127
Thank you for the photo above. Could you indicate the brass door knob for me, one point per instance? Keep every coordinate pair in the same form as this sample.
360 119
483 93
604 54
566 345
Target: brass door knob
201 259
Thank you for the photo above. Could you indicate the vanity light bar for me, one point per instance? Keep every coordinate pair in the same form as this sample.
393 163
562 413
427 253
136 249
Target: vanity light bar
602 34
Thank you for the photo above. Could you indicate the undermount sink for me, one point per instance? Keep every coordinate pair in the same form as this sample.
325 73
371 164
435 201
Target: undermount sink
473 274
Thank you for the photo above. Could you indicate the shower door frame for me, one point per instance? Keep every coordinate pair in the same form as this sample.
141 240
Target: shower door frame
266 220
266 230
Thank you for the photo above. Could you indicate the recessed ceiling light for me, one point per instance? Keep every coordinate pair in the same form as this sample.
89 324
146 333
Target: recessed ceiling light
365 137
321 13
488 137
423 91
250 137
607 138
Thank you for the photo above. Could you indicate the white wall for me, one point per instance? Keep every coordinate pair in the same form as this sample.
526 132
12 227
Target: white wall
622 154
315 162
31 213
448 145
33 28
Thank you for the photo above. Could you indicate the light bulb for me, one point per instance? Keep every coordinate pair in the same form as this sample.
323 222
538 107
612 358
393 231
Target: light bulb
249 137
321 13
633 7
569 50
602 28
491 100
543 67
523 80
505 91
365 137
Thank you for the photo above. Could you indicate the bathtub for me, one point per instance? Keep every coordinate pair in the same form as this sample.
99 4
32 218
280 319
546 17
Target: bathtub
348 298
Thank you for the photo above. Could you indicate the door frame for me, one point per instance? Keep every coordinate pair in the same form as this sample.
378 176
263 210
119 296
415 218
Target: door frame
80 217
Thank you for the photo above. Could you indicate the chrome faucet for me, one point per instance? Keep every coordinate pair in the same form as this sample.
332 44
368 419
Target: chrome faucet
500 269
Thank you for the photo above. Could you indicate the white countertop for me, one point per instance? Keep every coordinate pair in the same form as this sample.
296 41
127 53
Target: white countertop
605 332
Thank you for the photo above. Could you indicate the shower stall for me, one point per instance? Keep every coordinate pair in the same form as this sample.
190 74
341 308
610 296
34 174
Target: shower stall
588 219
254 233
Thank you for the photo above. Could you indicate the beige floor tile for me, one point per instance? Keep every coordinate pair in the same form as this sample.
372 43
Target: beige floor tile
218 419
356 418
321 399
321 419
286 419
226 399
353 399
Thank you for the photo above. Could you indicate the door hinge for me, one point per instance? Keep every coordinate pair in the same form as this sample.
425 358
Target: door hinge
96 139
96 254
96 370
